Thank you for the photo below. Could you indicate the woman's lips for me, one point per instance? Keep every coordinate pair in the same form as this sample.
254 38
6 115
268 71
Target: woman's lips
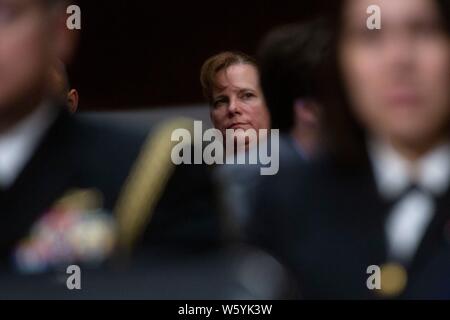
407 98
236 126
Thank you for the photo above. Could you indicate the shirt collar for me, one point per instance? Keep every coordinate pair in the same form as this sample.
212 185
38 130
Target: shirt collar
18 144
394 174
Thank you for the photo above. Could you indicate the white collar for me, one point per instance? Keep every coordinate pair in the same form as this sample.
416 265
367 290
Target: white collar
393 173
18 144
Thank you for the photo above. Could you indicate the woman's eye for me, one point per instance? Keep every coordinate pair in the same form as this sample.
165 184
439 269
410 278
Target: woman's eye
248 95
427 29
219 103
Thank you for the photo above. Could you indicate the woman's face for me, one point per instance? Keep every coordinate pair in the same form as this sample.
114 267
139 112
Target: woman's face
397 78
238 101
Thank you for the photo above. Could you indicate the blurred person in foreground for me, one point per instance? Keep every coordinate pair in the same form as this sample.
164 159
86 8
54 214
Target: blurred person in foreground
51 163
62 177
74 191
370 218
291 59
63 89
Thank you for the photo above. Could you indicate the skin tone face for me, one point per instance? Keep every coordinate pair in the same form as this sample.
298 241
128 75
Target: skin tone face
398 78
238 101
32 36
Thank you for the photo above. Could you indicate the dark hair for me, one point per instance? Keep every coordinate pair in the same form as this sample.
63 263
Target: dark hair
444 6
290 59
345 137
217 63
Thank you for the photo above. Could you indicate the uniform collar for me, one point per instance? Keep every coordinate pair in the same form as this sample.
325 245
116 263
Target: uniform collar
394 174
18 144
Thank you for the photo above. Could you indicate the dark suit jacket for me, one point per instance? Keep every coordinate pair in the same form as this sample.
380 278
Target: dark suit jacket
180 254
81 153
241 183
327 223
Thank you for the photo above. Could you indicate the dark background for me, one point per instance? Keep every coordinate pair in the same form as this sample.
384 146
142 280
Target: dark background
141 54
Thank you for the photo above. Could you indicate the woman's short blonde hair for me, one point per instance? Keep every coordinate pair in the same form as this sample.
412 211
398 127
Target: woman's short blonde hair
217 63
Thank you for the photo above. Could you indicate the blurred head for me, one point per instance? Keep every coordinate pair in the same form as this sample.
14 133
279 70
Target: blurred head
33 35
63 92
291 58
395 81
231 85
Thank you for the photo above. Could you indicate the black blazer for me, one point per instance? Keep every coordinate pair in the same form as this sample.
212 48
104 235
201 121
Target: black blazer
84 154
327 223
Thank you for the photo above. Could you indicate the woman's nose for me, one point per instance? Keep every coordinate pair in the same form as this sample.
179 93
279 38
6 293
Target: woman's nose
234 106
400 54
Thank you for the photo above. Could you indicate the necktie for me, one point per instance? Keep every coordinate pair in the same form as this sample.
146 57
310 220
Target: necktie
407 222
